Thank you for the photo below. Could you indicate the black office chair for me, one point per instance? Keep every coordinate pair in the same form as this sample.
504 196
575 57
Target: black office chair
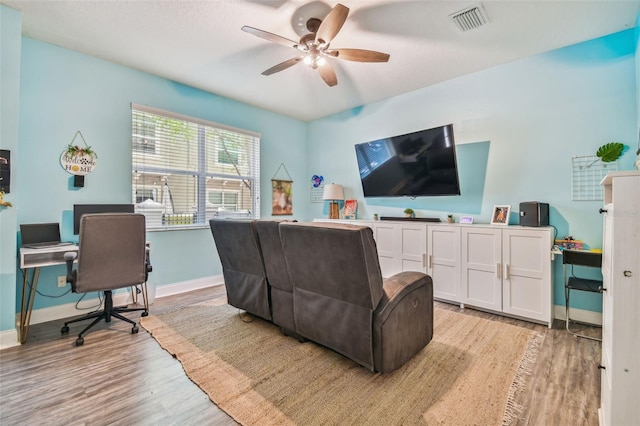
572 282
112 254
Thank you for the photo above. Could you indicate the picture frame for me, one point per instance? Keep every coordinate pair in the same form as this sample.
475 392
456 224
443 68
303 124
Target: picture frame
500 215
350 208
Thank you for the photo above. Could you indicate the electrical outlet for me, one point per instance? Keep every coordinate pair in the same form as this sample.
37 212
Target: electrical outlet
62 281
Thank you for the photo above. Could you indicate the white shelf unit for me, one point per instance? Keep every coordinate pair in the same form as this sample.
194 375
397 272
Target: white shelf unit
503 269
620 364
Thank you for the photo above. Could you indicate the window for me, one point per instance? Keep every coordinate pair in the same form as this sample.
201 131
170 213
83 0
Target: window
186 170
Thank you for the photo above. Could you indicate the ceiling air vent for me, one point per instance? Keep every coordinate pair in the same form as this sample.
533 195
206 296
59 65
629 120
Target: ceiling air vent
470 18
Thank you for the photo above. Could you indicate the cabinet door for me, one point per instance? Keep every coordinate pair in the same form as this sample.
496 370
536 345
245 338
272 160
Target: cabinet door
443 261
481 280
412 247
606 389
385 235
526 283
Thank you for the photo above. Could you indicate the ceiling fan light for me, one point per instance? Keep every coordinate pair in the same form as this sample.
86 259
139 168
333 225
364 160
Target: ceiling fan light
321 61
308 60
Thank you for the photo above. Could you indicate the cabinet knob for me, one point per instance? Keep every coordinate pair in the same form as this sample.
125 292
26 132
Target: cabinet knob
602 211
601 367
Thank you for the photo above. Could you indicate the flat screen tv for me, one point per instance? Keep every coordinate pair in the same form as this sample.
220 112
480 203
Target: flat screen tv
416 164
80 209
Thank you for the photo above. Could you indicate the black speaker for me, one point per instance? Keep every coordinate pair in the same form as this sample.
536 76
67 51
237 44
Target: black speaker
78 181
533 213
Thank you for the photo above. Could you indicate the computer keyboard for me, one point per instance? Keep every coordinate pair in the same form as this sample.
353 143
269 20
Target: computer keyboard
46 245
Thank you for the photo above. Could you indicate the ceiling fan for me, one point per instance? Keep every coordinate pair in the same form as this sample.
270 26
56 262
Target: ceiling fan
314 46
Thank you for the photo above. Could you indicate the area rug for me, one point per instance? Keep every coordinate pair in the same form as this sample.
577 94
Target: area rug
470 374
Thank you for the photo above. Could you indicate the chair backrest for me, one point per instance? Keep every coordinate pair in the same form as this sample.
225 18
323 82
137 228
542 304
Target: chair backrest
337 284
243 268
274 261
582 258
111 253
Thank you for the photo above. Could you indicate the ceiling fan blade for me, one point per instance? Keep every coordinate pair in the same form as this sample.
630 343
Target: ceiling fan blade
360 55
283 65
271 37
328 74
332 23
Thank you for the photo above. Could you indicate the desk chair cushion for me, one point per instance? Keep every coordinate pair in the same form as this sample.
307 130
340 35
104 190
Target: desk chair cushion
111 253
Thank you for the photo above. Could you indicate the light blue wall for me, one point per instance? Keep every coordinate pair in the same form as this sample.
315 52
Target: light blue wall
10 40
537 113
64 91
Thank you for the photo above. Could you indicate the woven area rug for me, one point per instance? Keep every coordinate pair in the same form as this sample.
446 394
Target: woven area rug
470 373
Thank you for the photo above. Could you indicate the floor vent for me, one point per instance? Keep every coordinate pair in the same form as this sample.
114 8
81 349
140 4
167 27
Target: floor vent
470 18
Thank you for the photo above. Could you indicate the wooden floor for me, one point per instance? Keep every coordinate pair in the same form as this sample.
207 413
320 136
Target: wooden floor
117 378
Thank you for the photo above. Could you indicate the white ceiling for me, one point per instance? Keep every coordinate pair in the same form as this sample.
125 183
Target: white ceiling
199 43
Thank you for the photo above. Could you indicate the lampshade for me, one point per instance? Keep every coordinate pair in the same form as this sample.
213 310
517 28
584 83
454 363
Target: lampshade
333 191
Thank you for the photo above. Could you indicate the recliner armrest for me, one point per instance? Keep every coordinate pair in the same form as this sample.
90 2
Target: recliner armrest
396 287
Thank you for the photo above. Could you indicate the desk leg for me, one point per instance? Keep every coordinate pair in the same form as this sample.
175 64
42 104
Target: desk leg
28 295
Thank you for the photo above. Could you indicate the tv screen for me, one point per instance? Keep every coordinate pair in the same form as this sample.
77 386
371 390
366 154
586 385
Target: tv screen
417 164
80 209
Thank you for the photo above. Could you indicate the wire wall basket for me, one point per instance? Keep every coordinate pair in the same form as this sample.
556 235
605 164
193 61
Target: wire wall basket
587 172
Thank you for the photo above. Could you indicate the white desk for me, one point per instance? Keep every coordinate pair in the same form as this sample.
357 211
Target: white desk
34 259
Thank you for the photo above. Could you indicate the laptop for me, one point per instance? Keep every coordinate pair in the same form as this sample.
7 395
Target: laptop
41 235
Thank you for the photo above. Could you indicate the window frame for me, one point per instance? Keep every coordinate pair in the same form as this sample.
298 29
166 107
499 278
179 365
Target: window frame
201 175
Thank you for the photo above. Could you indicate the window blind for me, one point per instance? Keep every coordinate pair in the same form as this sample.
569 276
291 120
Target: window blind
186 170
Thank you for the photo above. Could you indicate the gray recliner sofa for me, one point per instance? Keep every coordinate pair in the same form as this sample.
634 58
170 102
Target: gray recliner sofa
341 300
322 282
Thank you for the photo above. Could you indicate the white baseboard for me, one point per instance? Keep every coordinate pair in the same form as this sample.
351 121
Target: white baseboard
8 339
580 315
191 285
69 310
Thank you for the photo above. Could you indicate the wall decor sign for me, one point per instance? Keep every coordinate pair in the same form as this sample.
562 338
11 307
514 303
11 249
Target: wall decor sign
5 171
317 188
77 160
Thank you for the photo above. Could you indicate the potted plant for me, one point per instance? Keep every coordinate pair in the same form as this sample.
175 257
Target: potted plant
409 213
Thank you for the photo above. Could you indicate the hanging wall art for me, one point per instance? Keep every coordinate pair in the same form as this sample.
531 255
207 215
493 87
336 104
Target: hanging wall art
282 194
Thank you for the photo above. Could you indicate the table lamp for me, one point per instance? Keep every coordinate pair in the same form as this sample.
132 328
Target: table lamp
333 192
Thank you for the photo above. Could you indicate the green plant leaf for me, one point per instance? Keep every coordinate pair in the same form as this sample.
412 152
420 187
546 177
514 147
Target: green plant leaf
610 151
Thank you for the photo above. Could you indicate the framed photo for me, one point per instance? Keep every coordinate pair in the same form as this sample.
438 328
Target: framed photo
500 215
350 208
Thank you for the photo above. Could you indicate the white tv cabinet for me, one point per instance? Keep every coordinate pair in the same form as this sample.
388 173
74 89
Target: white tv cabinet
620 364
503 269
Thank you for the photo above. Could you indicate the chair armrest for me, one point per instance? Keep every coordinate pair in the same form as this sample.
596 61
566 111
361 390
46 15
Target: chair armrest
147 262
69 258
395 288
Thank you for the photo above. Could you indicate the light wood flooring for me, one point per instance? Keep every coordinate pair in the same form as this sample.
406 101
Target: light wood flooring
117 378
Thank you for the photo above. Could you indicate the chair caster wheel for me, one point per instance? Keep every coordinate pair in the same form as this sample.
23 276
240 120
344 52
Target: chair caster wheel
145 314
79 341
64 330
134 330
